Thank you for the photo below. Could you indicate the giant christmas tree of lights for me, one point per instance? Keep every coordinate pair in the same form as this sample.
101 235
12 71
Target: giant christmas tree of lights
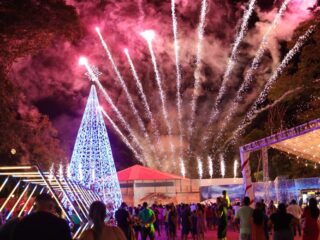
92 162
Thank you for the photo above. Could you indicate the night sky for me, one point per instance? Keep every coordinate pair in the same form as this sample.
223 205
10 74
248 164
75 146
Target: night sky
56 85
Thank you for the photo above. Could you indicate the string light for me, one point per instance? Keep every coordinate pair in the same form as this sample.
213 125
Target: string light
92 150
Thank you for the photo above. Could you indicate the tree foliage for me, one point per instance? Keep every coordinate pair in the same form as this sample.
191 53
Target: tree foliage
302 79
26 27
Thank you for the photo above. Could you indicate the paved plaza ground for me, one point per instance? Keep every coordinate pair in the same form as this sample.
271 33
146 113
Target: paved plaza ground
212 235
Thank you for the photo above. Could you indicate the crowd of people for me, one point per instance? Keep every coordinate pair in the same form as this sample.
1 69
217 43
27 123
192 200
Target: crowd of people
263 222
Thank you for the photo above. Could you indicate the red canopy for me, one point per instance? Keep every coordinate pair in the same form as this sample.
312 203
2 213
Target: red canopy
138 172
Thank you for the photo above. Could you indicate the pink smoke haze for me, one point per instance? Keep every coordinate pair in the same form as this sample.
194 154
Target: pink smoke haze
53 76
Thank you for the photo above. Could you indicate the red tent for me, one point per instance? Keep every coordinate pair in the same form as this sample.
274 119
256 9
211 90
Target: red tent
138 172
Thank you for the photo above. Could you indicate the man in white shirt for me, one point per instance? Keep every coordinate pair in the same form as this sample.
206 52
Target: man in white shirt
295 210
244 215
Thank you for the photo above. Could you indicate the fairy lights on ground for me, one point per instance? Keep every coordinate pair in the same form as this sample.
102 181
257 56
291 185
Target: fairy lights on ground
196 87
149 35
126 91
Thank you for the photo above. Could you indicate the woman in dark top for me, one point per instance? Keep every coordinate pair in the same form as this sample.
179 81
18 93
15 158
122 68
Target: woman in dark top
222 219
310 216
282 221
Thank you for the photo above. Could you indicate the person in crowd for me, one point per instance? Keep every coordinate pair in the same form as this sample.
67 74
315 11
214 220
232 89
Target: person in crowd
123 219
156 224
257 223
222 219
136 223
43 223
194 225
8 228
209 217
282 222
215 217
226 199
166 219
185 222
201 228
172 222
296 211
244 215
271 208
147 218
310 217
100 231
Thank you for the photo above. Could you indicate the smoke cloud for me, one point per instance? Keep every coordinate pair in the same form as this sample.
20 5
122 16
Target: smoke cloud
55 84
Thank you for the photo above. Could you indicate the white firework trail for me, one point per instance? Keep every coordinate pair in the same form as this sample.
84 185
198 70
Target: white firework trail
149 35
178 71
222 166
200 168
144 99
123 137
196 87
252 113
210 166
231 62
235 168
260 52
232 139
182 167
125 88
94 78
233 57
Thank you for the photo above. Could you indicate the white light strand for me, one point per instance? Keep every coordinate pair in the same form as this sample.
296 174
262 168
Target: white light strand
222 166
122 136
235 168
196 87
200 168
51 172
95 79
254 65
252 113
178 71
144 100
210 166
182 168
231 62
233 57
126 91
60 171
161 92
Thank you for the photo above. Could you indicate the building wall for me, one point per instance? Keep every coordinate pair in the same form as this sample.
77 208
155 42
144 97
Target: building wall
168 191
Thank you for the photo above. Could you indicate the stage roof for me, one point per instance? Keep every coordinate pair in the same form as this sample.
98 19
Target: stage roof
302 141
138 172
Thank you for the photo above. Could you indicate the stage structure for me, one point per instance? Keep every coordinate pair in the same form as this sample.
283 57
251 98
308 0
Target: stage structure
302 141
19 185
92 162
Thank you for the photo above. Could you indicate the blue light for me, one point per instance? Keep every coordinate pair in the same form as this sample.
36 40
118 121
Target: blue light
92 162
